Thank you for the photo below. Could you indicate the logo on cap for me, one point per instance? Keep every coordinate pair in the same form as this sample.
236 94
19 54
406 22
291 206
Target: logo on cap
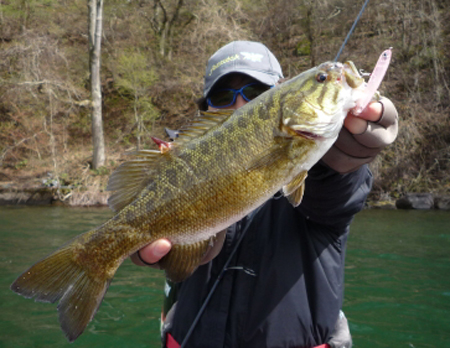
254 57
223 61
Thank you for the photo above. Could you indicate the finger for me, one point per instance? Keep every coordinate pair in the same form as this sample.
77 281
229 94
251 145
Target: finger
152 253
358 124
389 115
372 112
347 154
354 124
377 136
382 132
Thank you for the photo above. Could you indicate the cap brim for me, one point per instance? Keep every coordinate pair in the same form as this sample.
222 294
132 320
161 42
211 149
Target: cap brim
263 77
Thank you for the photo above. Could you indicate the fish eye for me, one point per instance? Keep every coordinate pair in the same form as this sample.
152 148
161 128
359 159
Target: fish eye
321 77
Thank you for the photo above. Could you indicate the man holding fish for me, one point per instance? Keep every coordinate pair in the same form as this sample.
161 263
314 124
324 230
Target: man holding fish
284 276
227 193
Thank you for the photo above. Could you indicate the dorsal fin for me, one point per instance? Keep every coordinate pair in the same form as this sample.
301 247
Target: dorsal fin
163 145
201 124
128 180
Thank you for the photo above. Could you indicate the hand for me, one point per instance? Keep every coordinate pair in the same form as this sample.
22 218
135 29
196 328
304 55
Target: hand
363 137
341 337
153 252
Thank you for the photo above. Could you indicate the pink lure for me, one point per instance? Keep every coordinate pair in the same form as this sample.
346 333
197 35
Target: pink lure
374 81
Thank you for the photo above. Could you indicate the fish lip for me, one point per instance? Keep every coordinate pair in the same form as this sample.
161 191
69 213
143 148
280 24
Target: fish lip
302 132
321 131
307 135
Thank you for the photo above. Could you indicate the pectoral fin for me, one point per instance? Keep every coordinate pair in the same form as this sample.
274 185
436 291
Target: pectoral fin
183 260
295 189
268 158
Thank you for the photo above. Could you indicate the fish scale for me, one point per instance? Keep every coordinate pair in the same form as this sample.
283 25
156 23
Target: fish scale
218 170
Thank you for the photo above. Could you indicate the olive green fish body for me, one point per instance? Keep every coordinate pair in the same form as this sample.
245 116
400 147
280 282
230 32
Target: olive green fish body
222 167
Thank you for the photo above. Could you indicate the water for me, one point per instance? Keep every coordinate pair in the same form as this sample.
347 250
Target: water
398 279
397 282
129 314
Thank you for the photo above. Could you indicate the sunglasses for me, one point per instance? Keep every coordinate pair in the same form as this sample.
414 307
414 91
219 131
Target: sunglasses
223 98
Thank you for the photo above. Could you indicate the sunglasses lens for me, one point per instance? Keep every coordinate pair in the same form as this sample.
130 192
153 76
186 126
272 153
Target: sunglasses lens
222 98
253 91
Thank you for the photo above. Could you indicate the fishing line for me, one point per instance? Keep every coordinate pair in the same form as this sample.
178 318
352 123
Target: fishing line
216 283
351 30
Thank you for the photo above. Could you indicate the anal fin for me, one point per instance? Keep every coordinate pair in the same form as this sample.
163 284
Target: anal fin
183 260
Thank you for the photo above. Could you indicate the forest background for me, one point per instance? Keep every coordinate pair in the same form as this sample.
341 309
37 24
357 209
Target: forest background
154 54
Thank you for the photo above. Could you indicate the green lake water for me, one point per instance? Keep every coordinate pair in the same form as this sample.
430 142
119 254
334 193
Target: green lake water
397 282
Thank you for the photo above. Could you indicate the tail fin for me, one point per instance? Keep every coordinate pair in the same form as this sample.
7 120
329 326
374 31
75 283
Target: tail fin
59 277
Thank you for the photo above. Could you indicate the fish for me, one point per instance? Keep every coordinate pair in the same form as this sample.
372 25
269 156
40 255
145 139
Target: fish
219 169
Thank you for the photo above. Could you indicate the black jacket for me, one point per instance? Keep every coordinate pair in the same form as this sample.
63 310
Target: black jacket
284 286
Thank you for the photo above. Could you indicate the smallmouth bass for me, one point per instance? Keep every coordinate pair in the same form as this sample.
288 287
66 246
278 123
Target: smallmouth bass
222 167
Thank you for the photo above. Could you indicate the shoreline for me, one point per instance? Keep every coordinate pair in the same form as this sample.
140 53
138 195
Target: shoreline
66 196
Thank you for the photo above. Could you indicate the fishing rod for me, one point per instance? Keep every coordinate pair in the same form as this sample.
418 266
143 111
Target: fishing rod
233 252
351 30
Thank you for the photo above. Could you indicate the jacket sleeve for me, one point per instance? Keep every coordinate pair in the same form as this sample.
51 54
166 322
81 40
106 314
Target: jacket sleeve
332 199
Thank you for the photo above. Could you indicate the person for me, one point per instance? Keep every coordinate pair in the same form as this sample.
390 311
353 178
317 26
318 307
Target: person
284 285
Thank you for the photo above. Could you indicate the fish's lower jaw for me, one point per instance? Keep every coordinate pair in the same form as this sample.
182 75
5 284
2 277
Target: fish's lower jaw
308 135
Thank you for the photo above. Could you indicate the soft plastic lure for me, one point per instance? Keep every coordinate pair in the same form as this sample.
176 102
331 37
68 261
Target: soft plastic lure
374 81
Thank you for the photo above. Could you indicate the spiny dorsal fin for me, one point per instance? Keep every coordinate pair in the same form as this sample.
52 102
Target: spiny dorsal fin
163 145
201 124
295 189
128 179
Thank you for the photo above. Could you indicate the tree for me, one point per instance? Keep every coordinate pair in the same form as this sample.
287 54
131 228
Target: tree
134 78
95 38
163 20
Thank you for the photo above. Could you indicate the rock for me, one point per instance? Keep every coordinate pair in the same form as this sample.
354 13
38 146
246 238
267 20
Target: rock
442 202
32 196
383 205
415 201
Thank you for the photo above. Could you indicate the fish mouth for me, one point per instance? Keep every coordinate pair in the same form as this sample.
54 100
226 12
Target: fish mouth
303 131
307 135
315 131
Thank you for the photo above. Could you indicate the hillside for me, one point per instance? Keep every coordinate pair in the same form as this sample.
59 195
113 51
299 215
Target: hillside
153 59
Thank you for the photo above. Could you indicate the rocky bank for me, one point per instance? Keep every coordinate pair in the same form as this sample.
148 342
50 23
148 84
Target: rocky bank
55 196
